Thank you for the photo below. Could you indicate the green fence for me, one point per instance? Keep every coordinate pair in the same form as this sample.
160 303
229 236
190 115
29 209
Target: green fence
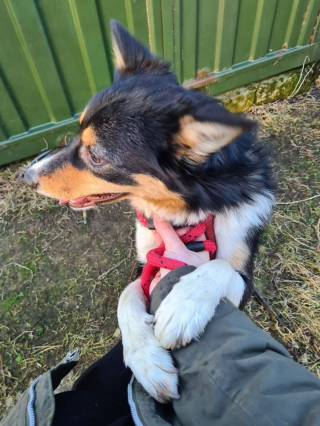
55 54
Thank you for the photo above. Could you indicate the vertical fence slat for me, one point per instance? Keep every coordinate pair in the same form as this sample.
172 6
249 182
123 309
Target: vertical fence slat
245 30
154 17
168 30
137 15
317 32
262 30
10 112
309 22
66 50
295 22
189 15
254 29
226 33
106 11
37 53
92 45
177 25
3 132
207 32
115 9
281 24
132 14
82 45
19 78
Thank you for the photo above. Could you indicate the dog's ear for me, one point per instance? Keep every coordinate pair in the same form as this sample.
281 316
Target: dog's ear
207 130
130 55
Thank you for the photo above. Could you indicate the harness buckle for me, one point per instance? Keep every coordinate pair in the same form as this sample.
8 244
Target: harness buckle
150 225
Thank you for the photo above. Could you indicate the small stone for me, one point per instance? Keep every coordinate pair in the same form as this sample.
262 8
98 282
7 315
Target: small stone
9 401
117 333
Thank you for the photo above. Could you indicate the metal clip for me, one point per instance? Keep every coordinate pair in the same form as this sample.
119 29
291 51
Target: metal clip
150 224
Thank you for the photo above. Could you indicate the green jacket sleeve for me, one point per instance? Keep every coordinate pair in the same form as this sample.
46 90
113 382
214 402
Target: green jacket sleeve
36 406
235 375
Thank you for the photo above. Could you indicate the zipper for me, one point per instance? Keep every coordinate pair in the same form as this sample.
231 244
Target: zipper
71 356
132 405
30 406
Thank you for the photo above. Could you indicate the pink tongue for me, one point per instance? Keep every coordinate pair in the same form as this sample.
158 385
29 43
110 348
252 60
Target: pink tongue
76 200
80 200
88 199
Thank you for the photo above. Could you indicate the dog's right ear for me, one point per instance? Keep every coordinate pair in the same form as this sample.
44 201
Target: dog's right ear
130 55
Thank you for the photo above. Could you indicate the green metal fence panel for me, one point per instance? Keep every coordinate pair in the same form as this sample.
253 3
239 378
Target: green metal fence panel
55 54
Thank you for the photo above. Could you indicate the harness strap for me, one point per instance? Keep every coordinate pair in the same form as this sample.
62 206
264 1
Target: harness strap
156 260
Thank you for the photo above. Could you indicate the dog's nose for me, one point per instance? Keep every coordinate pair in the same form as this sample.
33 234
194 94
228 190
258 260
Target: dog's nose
31 178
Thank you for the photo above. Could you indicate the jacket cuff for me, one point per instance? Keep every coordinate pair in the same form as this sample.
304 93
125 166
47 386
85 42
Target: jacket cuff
165 285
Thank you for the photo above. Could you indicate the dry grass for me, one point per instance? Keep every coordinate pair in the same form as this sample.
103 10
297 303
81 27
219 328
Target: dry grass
15 197
60 280
288 266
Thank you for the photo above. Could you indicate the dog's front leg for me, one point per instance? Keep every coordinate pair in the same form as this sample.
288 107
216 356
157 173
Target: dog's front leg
151 365
185 312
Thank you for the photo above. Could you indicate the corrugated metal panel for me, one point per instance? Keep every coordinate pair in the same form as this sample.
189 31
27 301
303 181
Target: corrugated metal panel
55 54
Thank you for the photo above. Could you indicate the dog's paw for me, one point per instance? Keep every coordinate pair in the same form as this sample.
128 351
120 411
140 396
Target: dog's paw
153 368
185 312
151 365
182 317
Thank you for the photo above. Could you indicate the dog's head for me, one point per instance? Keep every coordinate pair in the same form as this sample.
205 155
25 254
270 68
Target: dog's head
144 138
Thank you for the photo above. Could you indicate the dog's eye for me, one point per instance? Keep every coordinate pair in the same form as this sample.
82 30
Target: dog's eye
95 159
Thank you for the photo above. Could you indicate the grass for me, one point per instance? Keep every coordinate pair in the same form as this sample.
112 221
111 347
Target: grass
60 282
288 266
61 279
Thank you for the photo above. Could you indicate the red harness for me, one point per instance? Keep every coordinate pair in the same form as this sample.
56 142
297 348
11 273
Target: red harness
156 260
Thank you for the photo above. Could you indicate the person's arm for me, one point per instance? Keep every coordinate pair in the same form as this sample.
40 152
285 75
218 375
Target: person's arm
234 375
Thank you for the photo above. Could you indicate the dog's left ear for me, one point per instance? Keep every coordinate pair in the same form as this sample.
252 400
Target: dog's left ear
207 131
131 55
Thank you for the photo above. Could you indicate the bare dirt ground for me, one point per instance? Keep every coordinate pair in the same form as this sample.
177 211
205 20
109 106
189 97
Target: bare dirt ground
60 280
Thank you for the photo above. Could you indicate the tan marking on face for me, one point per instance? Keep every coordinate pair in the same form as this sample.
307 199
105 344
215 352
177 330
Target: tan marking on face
88 136
82 115
69 183
154 191
240 256
199 139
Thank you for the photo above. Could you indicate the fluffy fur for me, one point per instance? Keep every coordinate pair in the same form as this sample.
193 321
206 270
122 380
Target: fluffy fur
181 154
185 312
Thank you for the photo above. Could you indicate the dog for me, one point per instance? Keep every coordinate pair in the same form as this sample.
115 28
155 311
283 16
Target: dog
182 155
